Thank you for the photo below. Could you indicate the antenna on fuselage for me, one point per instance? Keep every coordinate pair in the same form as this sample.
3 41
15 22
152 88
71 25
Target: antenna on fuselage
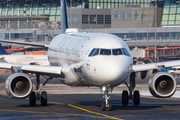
64 18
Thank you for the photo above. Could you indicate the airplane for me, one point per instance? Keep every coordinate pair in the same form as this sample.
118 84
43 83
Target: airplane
87 59
23 59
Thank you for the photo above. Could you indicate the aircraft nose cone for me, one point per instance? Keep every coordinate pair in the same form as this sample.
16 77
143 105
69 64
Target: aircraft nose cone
115 70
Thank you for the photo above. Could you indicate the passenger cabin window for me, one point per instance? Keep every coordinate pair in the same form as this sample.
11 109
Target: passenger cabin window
173 69
105 52
117 51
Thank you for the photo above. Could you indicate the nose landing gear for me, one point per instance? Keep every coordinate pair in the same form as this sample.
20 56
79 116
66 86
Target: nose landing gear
134 95
106 104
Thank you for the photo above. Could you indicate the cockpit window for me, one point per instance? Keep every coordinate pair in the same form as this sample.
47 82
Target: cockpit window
94 52
105 52
117 51
125 52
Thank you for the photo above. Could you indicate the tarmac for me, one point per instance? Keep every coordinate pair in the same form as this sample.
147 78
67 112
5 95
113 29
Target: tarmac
80 103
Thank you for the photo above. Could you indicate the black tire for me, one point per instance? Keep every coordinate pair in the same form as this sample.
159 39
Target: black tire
32 99
44 98
103 106
136 98
125 97
110 106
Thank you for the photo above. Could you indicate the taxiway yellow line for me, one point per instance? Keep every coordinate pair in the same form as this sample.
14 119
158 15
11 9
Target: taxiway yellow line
103 115
3 110
92 112
107 116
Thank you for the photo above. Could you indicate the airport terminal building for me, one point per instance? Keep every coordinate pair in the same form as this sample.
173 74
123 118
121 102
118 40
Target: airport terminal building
40 20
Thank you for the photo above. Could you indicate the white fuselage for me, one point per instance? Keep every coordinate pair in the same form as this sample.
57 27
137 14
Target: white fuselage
99 70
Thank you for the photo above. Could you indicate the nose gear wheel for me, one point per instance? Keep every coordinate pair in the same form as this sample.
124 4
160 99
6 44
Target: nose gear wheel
106 104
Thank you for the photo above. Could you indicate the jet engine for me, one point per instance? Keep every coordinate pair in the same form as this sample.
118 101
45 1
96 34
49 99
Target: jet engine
18 85
162 85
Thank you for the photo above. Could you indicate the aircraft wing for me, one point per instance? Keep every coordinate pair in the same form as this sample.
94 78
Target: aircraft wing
151 66
2 57
25 43
45 70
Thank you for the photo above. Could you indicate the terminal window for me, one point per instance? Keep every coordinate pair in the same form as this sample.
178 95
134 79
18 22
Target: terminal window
85 19
137 15
93 19
100 19
107 19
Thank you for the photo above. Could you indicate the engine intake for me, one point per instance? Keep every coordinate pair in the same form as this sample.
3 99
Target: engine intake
162 85
18 85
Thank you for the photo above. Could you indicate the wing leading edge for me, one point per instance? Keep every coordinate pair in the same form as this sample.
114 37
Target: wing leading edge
25 43
151 66
44 70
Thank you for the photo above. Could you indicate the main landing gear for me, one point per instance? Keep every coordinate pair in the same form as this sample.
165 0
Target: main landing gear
133 95
38 95
106 104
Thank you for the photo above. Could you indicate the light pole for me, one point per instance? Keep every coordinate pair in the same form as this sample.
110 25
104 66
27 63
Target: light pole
155 30
147 24
71 18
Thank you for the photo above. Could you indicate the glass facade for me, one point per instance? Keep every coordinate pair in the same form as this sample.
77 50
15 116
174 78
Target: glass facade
133 36
23 36
107 4
143 36
171 13
15 36
31 8
129 15
52 9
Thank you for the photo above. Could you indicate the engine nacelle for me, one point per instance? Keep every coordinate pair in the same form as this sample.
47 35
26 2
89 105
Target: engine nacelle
162 85
18 85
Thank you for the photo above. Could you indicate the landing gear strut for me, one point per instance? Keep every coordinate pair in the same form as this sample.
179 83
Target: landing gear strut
133 95
38 95
106 103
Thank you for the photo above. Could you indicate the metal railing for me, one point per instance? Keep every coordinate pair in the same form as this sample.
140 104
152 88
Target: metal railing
29 24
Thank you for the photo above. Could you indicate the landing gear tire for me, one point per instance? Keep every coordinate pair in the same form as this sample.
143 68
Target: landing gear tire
136 99
110 106
103 106
44 98
32 99
125 97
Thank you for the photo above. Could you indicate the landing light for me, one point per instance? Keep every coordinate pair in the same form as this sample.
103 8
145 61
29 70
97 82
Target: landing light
103 89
